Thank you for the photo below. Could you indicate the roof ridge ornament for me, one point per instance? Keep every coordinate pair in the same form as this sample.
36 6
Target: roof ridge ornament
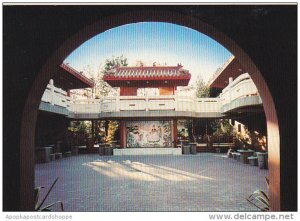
155 75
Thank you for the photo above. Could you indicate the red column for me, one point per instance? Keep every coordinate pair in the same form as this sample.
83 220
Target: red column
175 132
93 131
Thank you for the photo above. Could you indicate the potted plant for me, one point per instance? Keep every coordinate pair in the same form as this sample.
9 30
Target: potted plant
40 207
193 148
108 148
260 143
260 199
101 149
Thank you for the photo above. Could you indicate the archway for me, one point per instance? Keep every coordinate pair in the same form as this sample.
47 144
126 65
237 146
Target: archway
31 106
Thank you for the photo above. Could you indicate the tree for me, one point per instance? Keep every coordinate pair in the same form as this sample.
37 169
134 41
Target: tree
111 126
202 89
115 62
100 90
112 132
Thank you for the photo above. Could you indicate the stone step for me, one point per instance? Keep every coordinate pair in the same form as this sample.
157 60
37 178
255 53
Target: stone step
147 151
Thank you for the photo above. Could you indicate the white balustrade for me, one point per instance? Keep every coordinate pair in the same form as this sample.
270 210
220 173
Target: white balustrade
55 96
70 102
161 102
240 87
132 103
207 105
225 96
108 105
47 96
161 105
243 89
86 106
59 97
185 103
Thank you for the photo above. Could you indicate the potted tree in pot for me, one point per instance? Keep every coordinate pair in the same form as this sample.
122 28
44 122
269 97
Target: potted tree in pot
184 139
262 158
112 133
192 138
185 146
90 143
259 142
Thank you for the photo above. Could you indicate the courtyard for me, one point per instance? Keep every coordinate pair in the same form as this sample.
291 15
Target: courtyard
202 182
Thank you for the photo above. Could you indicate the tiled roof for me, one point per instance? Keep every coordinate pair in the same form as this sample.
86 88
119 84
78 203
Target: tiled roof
157 72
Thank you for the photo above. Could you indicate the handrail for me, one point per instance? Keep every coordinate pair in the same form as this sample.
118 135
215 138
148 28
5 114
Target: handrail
236 81
240 78
242 86
204 99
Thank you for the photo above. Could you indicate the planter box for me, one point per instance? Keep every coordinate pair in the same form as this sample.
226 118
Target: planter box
42 155
67 154
89 143
108 151
58 155
186 150
184 143
113 144
253 161
75 150
244 155
101 149
58 147
262 160
236 156
52 157
193 147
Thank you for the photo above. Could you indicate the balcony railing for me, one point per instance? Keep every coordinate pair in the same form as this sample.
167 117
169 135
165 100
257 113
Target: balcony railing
240 87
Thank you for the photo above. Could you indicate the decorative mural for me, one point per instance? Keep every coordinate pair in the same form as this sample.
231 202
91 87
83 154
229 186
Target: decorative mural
148 134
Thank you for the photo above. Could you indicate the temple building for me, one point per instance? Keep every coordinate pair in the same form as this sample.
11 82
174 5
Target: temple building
158 121
148 131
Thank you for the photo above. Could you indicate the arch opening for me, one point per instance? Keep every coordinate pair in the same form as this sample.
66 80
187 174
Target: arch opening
31 107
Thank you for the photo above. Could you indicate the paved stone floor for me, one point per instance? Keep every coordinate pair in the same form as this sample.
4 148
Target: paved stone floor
202 182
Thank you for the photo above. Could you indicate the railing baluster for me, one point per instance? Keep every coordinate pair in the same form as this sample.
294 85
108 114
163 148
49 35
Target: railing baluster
240 87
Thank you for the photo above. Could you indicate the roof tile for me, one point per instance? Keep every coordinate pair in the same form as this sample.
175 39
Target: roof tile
142 72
